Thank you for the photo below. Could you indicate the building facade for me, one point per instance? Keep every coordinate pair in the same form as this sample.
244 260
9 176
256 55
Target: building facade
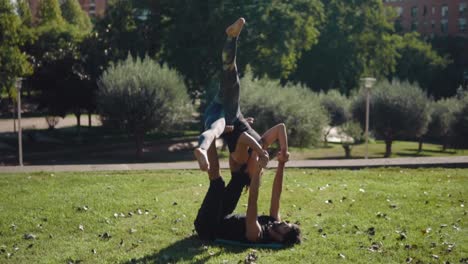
432 17
94 8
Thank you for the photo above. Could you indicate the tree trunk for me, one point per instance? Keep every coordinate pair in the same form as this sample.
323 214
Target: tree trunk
444 144
325 142
347 149
89 119
388 148
420 141
139 140
78 121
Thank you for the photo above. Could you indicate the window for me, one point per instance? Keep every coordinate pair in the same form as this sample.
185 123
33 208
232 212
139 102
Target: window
414 11
92 7
462 9
462 24
414 25
399 11
432 24
444 11
425 11
444 25
433 10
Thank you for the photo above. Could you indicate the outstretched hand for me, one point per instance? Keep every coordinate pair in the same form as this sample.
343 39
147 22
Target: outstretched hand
250 120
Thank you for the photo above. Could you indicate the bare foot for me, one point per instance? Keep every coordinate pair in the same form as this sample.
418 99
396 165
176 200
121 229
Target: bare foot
235 29
202 158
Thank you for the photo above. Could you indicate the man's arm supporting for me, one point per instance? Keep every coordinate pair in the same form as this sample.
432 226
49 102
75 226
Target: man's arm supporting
276 192
253 229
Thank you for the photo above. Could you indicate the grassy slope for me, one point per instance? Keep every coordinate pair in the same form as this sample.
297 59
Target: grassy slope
417 202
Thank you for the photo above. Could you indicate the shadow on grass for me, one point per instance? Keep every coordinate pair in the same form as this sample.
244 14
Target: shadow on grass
186 249
433 151
416 154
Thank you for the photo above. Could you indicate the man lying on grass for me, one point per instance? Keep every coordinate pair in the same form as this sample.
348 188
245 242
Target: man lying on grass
216 221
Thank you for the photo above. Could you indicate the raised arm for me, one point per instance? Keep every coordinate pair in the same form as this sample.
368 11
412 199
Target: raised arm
253 229
276 191
277 132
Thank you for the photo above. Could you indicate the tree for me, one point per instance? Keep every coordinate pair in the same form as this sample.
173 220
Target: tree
60 76
49 12
272 41
336 106
74 15
13 62
444 82
359 39
294 105
399 110
419 62
355 39
140 95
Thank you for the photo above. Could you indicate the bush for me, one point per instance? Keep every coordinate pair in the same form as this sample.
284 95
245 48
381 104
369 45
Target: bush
336 106
459 126
442 117
140 95
398 110
296 106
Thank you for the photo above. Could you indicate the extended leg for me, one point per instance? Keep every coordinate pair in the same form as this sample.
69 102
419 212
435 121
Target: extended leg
214 125
229 92
210 213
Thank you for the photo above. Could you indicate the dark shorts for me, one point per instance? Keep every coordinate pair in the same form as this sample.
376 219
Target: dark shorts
240 126
213 112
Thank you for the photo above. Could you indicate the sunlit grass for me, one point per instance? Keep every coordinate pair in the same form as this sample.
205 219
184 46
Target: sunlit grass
367 216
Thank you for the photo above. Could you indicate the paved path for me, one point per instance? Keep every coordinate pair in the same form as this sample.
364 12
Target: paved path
7 125
455 162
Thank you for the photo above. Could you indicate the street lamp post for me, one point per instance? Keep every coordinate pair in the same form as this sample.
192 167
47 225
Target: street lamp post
20 139
368 83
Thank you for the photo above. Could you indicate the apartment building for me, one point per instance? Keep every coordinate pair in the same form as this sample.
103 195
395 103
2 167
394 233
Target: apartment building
432 17
95 8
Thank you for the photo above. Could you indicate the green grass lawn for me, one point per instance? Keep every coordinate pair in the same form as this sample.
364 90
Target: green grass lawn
400 149
365 216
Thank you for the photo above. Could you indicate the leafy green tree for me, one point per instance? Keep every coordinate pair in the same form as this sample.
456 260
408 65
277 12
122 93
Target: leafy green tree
444 82
358 39
24 12
60 77
293 105
419 62
140 95
49 12
272 41
13 62
336 106
74 15
398 110
355 39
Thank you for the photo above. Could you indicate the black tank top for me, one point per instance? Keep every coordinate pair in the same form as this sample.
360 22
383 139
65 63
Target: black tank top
233 227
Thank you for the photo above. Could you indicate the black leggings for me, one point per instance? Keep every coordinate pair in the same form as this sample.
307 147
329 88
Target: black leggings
220 201
226 102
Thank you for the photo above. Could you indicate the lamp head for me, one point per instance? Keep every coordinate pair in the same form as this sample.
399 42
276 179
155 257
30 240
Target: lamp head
368 82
